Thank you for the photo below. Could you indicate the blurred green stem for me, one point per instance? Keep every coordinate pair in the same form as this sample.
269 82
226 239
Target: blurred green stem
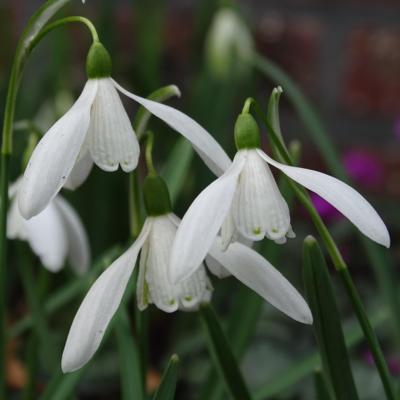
382 265
369 333
134 200
29 39
34 290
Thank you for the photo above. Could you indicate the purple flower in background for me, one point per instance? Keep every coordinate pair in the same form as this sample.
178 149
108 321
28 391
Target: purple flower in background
394 365
393 362
325 209
364 167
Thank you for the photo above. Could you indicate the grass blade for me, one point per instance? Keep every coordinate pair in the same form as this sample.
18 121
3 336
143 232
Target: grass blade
322 391
166 390
327 324
131 374
304 367
222 354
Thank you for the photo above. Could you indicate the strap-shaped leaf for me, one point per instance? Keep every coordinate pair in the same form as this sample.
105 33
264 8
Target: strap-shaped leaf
131 375
166 390
322 391
327 324
222 354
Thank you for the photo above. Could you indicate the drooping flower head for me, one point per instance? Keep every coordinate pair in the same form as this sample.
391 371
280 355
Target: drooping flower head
55 234
154 245
153 286
97 130
246 200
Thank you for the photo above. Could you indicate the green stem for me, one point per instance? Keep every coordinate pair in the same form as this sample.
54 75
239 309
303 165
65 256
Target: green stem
39 336
149 153
369 333
382 265
63 21
134 201
283 155
25 47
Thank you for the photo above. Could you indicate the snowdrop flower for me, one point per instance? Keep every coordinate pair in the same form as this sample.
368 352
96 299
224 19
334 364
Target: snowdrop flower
55 234
153 286
246 200
229 45
97 130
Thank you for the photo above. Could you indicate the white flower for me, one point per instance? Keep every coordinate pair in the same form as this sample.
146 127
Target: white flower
55 234
229 45
97 129
155 242
246 199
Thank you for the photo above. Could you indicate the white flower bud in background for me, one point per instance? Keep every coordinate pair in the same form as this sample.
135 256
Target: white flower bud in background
229 45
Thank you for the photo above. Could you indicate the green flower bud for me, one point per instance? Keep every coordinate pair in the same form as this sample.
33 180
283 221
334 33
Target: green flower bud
247 133
156 196
98 62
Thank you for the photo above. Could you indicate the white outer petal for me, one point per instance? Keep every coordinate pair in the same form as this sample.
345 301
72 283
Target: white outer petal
55 155
340 195
112 140
259 275
80 172
201 223
78 242
44 232
99 306
208 148
216 268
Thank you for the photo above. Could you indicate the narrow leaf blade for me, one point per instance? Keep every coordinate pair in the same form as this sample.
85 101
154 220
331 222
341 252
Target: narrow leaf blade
327 324
222 354
166 390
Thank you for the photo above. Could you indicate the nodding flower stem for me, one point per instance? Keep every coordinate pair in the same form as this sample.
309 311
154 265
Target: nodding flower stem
283 154
29 40
63 21
149 153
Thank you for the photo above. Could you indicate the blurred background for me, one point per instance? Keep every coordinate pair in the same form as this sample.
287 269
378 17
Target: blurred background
343 56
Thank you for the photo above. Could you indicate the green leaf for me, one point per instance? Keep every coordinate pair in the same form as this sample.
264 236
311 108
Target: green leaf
302 368
222 354
322 391
142 116
382 265
176 167
327 324
68 292
61 387
131 375
166 390
247 303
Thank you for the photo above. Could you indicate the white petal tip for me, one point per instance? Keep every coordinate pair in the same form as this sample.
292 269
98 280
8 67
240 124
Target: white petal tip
385 240
26 210
307 318
278 89
67 367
